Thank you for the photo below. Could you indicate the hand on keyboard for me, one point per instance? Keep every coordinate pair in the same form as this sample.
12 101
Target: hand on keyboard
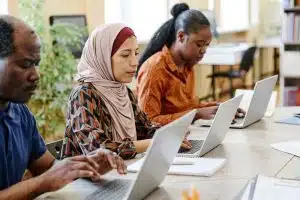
240 113
107 161
185 145
206 113
66 171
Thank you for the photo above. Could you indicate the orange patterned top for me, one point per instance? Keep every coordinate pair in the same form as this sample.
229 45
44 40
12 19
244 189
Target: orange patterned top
165 92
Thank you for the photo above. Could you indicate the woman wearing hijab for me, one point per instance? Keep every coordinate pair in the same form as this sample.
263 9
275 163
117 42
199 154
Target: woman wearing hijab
102 111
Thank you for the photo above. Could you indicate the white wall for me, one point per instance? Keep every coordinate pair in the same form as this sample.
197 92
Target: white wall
3 7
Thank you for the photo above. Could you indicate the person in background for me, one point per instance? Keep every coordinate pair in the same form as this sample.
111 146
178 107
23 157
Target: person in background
166 78
21 146
102 110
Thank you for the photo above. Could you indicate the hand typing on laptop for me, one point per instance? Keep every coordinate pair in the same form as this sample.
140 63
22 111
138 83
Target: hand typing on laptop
185 145
90 166
240 113
206 112
107 160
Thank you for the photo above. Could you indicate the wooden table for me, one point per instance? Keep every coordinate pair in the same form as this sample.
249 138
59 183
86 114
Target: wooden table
248 153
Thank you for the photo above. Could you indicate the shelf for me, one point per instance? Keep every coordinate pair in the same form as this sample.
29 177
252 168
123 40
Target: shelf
292 10
290 76
291 46
291 43
291 81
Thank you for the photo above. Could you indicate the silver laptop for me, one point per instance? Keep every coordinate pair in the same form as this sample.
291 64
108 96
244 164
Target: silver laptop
259 102
158 159
257 107
217 131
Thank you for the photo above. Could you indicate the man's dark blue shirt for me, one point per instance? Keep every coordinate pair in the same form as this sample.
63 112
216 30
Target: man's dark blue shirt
20 143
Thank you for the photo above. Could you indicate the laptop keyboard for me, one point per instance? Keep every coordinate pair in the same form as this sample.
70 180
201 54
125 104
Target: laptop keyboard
196 146
115 190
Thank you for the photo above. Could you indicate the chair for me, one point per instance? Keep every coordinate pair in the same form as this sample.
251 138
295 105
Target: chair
55 148
246 63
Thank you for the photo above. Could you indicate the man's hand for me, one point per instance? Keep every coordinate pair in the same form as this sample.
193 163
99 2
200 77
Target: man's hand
67 170
107 161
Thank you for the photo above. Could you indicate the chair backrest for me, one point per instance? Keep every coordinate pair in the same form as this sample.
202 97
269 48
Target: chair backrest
248 59
55 148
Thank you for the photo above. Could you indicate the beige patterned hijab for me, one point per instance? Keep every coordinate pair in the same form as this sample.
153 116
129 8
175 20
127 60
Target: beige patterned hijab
95 67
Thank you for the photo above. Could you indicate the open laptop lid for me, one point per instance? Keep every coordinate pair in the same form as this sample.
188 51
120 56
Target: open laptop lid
159 156
220 124
260 99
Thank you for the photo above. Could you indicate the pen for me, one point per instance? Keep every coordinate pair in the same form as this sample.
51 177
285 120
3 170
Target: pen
182 163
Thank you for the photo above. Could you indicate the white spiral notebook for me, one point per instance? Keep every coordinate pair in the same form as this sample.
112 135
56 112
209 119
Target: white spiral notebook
193 166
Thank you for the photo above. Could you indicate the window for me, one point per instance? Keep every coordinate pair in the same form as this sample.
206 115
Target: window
211 4
270 16
234 15
143 16
254 6
78 20
3 7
